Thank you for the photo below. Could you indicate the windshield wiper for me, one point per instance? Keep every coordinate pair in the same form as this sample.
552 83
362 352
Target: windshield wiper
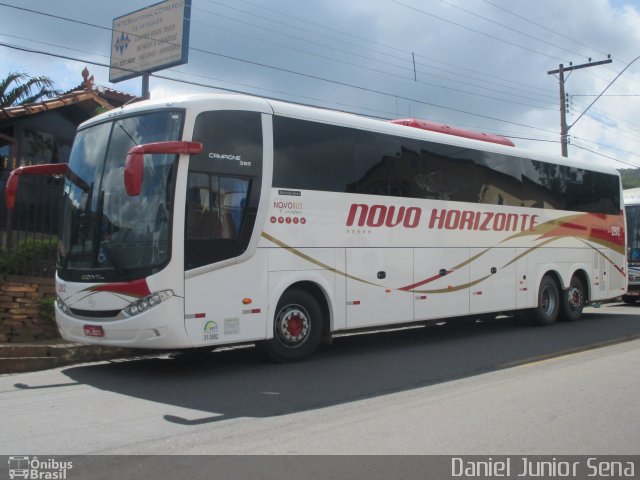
128 135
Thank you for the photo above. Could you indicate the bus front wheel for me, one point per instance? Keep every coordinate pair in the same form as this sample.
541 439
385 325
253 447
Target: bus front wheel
548 307
297 327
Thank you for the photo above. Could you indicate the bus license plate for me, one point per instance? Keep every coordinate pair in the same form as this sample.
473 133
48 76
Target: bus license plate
93 331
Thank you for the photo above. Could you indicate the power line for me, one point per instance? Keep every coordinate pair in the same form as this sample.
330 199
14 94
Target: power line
431 84
606 156
284 70
558 34
286 93
389 115
494 79
609 95
605 89
293 48
624 128
633 154
369 41
164 77
476 31
407 68
519 32
315 77
543 27
564 128
300 19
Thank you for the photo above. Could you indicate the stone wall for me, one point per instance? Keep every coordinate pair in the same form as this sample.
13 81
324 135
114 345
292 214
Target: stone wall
20 304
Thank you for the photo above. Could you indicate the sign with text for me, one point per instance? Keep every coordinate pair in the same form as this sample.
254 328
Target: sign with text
150 39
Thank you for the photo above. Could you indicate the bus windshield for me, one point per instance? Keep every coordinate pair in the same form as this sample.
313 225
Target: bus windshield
106 234
633 234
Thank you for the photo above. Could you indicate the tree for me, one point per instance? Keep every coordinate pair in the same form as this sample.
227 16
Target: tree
630 177
19 88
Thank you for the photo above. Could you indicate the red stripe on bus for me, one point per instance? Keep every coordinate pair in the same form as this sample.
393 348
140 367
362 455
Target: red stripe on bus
135 288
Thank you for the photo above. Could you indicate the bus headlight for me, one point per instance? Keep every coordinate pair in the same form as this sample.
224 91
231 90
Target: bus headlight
147 302
61 305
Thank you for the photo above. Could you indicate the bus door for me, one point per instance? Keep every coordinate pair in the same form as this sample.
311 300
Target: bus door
222 197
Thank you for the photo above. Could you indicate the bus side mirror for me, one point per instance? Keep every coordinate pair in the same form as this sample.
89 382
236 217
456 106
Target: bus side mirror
11 188
134 165
133 168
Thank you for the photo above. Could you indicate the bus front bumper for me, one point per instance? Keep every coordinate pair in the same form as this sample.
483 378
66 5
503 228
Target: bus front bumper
161 327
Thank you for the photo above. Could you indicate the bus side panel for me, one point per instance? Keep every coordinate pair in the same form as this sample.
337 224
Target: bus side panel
617 277
599 282
228 305
436 295
372 297
524 285
495 272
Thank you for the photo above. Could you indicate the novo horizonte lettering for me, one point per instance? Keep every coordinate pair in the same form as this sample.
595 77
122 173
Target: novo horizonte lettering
441 218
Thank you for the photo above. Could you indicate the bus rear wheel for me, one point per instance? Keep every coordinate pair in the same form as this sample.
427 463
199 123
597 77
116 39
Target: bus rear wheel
548 307
297 327
573 300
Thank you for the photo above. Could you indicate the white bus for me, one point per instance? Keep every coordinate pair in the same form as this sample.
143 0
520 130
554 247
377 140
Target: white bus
217 219
632 208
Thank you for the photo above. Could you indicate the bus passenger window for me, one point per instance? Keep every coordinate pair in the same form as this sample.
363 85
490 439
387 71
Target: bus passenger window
215 212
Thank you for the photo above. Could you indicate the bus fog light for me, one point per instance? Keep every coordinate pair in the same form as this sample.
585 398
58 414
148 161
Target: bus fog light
147 302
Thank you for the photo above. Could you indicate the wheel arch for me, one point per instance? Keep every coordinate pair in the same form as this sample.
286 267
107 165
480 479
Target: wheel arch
316 286
584 278
555 275
320 296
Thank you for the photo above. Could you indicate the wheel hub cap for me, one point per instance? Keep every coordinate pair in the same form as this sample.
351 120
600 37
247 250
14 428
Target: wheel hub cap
293 326
575 298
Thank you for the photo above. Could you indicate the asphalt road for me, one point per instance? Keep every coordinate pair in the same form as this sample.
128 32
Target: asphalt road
465 388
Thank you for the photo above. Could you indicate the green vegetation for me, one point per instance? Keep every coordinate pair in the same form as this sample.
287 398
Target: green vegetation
630 177
31 256
47 310
20 88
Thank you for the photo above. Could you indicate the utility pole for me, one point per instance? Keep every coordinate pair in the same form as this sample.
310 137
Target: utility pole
146 94
564 129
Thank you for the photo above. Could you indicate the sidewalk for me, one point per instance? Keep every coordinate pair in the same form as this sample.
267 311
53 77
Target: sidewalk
23 357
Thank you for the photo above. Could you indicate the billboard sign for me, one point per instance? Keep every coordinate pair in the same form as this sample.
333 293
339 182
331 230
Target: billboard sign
150 39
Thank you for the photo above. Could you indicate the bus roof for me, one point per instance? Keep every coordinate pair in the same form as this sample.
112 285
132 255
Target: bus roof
631 196
214 101
459 132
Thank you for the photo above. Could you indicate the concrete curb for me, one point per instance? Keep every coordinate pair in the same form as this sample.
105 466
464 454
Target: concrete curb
16 357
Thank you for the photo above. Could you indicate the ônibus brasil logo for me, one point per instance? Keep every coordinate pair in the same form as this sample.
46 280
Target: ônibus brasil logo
36 469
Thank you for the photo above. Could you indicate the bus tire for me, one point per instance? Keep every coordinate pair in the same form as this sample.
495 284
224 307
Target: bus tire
548 307
628 299
297 327
573 300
